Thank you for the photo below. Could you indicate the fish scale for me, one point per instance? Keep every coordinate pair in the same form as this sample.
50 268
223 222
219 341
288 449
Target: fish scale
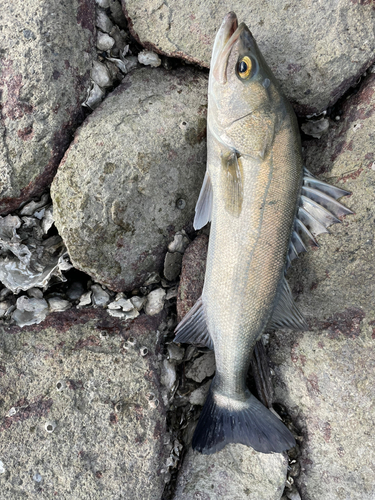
264 208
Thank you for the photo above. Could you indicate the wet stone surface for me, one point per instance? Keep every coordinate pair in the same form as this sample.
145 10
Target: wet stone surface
81 410
121 179
316 51
43 83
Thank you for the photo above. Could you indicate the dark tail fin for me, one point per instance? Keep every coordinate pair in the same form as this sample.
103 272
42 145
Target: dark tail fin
224 420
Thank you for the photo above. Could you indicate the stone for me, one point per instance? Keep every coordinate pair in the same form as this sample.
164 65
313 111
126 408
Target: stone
155 302
138 302
99 296
121 303
56 304
315 128
82 425
30 311
175 353
94 97
202 367
101 75
172 265
180 242
85 299
325 377
103 22
149 58
198 396
75 290
192 275
169 376
236 472
43 83
104 41
133 154
315 51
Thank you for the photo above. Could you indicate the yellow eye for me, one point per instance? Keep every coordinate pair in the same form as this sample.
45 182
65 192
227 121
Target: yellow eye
244 67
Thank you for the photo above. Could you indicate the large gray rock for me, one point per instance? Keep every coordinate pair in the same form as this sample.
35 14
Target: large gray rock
326 376
234 473
46 52
316 50
132 176
81 411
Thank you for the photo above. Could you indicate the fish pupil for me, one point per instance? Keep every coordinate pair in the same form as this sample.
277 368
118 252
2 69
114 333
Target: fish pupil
242 67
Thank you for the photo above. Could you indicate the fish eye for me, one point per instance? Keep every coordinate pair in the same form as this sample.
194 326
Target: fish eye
244 67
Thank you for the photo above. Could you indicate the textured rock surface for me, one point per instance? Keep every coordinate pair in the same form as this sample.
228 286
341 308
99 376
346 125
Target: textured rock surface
192 275
80 374
42 85
235 473
326 376
316 50
133 175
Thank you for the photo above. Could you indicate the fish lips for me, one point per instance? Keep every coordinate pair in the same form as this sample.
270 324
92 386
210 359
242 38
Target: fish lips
228 34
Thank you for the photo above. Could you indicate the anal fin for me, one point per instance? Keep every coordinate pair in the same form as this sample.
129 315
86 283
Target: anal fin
286 313
192 329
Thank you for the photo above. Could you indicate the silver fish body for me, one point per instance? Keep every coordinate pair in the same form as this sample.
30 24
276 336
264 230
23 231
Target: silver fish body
252 196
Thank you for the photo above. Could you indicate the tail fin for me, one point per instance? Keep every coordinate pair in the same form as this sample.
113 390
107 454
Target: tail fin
224 420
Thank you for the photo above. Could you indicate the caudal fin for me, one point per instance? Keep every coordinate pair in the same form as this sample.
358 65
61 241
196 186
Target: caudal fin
224 420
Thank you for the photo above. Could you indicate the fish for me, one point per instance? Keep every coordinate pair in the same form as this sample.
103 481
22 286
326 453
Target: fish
265 208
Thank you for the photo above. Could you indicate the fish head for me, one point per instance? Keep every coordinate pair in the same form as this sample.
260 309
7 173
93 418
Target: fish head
242 90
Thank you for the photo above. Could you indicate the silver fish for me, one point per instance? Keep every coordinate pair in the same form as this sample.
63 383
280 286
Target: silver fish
264 208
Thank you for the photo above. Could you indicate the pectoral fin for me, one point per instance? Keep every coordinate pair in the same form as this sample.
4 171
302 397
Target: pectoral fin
203 208
286 314
232 182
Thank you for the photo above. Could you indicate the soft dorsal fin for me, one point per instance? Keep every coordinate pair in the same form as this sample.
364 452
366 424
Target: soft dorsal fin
232 182
192 329
286 314
203 208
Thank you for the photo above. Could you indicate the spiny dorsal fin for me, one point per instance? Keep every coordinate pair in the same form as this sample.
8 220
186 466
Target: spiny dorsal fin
232 181
203 208
286 314
192 329
318 209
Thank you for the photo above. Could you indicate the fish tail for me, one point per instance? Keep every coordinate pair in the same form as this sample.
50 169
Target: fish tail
224 420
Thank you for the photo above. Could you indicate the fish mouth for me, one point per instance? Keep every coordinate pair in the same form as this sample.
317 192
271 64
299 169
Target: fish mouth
229 32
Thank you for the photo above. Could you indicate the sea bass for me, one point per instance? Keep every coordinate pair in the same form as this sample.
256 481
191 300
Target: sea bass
264 208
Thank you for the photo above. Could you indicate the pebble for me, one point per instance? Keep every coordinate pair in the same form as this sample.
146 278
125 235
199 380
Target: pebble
293 494
316 128
4 306
94 97
100 74
104 4
58 304
104 42
85 299
33 206
48 221
35 293
180 242
155 302
172 265
149 58
175 353
75 290
202 367
4 293
138 302
125 304
132 314
30 311
103 22
152 279
198 397
99 296
171 293
168 374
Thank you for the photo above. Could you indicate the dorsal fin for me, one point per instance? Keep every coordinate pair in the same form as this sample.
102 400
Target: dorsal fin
317 210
